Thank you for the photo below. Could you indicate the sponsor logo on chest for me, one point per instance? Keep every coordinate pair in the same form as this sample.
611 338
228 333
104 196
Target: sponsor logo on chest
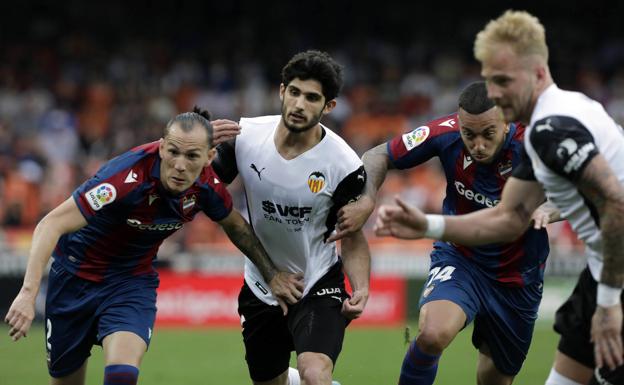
474 196
137 224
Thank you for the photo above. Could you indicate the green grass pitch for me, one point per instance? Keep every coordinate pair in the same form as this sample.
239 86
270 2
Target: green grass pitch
216 356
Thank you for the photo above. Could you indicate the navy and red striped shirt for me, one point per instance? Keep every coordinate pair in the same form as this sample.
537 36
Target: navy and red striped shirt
473 186
129 214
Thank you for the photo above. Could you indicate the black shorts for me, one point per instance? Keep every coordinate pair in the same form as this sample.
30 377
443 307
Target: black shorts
314 324
573 323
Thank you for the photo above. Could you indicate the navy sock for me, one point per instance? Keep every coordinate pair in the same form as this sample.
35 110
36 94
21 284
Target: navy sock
121 375
418 368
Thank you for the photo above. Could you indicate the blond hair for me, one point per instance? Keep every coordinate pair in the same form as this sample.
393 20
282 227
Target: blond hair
520 30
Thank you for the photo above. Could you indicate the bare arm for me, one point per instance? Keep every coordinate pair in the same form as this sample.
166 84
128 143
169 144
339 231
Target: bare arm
599 184
286 287
377 163
63 219
356 259
242 236
502 223
353 216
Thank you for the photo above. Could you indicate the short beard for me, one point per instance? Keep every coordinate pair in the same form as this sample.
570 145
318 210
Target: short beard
298 130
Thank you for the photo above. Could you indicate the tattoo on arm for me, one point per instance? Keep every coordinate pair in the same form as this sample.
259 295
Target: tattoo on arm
243 236
601 187
377 163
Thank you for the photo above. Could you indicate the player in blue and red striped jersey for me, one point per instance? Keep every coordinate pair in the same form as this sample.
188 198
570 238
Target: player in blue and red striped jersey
499 287
104 240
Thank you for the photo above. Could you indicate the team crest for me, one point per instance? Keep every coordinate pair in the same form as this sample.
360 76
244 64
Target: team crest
316 181
416 137
188 202
101 195
504 168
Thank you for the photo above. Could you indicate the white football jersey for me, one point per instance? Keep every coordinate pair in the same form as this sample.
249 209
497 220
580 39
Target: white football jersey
292 204
567 130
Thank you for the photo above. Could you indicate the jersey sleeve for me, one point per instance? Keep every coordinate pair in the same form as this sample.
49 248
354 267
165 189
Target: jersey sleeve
348 190
106 189
564 144
524 170
224 164
412 148
216 199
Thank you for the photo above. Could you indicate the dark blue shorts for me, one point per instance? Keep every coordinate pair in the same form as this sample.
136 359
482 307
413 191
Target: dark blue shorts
503 316
80 313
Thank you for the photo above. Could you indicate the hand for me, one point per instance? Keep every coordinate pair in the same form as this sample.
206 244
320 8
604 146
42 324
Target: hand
224 130
353 307
352 217
20 315
402 221
287 288
606 334
541 218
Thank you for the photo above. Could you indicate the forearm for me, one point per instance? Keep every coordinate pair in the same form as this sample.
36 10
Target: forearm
356 259
43 242
376 163
63 219
602 188
612 228
242 236
492 225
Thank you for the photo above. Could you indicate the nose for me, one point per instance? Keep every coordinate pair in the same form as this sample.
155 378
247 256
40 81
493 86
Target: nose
300 102
179 165
478 144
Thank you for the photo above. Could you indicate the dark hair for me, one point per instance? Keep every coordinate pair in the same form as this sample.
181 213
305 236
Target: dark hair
315 65
187 121
474 100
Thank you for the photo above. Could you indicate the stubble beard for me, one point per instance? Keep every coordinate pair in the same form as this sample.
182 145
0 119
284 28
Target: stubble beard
300 129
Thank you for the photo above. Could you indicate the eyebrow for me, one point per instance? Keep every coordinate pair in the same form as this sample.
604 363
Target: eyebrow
490 127
189 150
305 93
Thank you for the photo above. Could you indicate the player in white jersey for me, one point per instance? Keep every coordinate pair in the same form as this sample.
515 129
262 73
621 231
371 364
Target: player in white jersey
576 157
297 174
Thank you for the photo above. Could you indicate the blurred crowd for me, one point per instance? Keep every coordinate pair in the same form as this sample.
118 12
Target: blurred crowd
69 100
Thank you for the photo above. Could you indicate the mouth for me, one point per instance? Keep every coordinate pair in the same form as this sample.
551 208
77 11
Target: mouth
297 118
177 181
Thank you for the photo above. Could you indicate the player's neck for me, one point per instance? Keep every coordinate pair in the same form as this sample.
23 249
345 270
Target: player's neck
292 144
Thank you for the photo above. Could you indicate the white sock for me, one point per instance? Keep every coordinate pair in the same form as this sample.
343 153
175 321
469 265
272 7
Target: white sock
555 378
293 377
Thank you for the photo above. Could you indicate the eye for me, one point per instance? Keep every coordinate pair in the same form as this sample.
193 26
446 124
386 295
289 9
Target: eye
173 152
313 97
501 81
294 91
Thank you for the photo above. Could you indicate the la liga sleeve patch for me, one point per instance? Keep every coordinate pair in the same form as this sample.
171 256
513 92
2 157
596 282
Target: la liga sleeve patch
416 137
101 195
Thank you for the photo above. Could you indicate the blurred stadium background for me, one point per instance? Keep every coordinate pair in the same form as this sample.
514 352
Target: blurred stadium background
81 82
